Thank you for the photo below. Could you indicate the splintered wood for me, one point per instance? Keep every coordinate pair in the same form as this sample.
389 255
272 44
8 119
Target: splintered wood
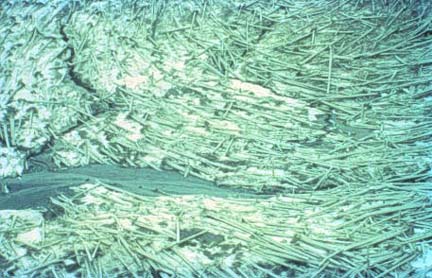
287 96
327 103
266 95
102 231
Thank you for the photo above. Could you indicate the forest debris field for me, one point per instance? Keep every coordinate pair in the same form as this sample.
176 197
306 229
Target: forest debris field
216 138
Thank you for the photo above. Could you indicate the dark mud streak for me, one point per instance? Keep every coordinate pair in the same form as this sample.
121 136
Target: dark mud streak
35 189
